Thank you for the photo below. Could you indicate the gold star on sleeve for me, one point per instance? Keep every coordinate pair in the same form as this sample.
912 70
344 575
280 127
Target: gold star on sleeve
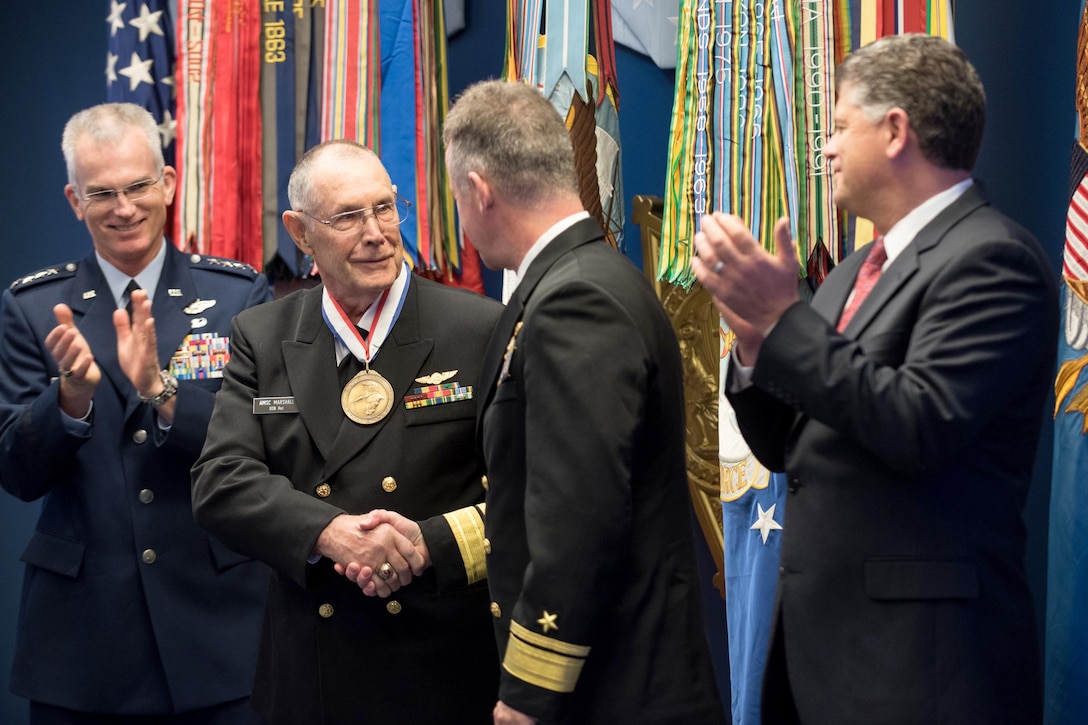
547 622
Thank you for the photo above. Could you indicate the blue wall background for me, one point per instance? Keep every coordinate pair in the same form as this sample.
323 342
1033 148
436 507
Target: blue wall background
54 61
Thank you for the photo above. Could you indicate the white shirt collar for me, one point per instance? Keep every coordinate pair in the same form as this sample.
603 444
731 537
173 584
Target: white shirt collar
906 229
148 278
398 291
511 279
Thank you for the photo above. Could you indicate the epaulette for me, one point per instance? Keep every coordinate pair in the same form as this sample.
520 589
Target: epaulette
61 271
223 264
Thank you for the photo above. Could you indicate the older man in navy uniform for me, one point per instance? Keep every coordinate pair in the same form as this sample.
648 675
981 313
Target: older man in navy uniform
128 608
349 397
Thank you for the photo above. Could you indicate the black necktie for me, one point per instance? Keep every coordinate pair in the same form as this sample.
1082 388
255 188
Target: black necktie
350 365
131 287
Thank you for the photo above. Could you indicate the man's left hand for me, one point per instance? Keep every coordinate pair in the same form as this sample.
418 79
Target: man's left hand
137 351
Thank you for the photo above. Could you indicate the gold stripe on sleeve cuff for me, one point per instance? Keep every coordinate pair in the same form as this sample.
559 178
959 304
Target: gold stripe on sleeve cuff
550 664
468 531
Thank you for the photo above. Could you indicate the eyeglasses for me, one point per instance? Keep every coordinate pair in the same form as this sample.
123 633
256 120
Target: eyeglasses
390 213
133 192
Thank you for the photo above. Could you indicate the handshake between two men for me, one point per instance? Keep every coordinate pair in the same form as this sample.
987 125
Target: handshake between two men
380 551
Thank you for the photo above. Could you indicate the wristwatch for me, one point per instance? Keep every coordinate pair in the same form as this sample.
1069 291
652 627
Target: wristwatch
169 390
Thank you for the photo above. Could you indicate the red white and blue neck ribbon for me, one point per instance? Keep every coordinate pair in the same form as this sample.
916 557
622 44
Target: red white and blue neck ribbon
378 319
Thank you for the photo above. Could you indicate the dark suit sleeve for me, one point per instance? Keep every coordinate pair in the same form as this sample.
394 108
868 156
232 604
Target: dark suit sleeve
768 422
934 369
585 371
235 496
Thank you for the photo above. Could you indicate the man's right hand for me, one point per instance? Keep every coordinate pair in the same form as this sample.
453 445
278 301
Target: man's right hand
79 373
366 577
751 287
347 541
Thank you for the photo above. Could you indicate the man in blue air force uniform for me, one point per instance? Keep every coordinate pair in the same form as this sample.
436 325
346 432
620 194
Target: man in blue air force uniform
128 608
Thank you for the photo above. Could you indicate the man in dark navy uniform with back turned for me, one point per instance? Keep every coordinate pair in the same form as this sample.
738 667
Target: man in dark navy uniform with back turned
128 608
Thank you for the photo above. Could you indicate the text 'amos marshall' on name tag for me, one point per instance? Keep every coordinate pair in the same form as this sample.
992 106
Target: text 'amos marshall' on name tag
264 406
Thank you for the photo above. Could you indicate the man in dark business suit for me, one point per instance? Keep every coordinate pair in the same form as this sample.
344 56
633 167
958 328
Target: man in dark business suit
352 396
591 560
906 420
128 609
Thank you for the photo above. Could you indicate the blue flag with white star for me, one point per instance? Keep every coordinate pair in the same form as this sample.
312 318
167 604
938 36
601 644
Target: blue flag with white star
753 538
753 517
140 62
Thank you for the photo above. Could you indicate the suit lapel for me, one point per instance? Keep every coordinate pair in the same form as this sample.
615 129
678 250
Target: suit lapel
399 361
493 357
582 232
310 361
172 323
832 294
92 310
907 263
894 277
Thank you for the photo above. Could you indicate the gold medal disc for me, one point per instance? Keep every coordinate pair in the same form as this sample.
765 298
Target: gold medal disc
367 398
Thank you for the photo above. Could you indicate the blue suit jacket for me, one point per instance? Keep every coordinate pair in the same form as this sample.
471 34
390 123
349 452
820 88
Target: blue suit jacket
127 605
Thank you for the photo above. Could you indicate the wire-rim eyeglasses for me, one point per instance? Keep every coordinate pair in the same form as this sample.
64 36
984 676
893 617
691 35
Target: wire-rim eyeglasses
390 213
134 192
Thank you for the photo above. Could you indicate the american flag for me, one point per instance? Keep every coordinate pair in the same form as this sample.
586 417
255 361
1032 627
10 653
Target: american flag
140 62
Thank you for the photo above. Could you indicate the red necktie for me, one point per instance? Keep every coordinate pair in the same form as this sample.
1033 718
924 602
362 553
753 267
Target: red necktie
867 277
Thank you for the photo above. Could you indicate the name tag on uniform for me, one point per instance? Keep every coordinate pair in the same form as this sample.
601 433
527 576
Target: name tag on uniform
264 406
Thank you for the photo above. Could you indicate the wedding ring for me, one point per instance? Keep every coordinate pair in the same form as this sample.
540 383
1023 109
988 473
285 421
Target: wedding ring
66 373
718 266
385 571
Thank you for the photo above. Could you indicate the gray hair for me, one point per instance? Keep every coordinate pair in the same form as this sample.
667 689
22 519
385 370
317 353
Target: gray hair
932 80
109 122
510 134
300 190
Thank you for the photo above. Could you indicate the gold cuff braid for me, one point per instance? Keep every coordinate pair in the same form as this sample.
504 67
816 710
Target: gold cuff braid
468 531
548 663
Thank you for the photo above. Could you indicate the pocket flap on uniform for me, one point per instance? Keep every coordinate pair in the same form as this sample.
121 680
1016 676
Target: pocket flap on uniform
54 553
921 579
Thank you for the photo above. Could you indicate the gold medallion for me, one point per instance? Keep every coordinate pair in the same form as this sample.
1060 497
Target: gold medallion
367 398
